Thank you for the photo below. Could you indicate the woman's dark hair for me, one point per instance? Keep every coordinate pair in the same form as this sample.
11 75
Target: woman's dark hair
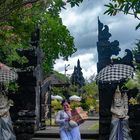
63 101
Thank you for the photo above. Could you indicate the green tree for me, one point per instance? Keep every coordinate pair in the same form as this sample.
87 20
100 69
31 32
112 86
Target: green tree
136 53
73 90
8 7
131 7
90 96
21 21
77 76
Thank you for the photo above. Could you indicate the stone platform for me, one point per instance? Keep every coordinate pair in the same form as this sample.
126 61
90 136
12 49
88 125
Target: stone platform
52 132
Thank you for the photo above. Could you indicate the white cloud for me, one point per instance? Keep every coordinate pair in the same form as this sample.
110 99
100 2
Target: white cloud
74 21
71 19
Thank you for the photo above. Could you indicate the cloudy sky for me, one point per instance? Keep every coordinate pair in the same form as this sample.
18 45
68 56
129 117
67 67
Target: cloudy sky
83 24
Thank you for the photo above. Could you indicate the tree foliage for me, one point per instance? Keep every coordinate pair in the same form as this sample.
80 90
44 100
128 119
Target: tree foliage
131 7
19 18
90 96
8 7
88 93
91 89
136 53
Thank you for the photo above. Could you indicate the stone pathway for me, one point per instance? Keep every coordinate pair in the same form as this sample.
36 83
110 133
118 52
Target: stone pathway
52 132
54 139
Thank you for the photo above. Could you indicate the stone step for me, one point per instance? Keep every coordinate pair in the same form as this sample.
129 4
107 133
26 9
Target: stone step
54 139
84 135
52 132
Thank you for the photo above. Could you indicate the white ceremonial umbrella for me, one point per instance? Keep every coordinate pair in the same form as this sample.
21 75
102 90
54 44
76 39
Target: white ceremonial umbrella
75 98
58 97
52 97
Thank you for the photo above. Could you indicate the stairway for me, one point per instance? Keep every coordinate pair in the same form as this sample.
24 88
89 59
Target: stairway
54 135
54 139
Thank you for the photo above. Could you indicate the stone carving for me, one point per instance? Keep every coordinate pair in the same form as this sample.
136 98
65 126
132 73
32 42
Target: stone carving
103 32
35 36
105 48
46 105
4 104
119 124
6 126
119 106
128 58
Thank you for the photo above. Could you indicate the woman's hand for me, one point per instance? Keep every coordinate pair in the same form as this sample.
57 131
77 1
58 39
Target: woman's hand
67 119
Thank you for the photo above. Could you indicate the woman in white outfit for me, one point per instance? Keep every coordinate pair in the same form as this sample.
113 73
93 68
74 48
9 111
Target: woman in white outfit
62 118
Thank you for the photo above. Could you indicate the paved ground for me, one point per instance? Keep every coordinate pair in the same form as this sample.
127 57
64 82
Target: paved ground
54 139
84 128
52 132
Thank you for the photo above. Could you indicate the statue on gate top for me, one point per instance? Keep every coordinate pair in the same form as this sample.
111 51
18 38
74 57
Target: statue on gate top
103 31
105 48
35 37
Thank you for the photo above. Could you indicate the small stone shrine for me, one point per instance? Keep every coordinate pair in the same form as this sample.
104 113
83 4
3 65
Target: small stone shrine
29 104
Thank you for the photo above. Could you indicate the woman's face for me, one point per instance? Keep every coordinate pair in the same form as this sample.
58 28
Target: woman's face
66 106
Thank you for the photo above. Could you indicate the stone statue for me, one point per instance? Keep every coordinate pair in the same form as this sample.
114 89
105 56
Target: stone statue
46 105
35 36
119 124
119 106
105 48
6 128
128 58
103 31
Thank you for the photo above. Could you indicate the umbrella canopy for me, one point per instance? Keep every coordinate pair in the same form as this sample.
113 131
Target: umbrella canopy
75 98
56 97
6 74
52 97
115 73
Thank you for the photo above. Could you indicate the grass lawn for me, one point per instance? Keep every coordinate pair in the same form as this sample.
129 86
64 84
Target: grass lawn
94 126
50 122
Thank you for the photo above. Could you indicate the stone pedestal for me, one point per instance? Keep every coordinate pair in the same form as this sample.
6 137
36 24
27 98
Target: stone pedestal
105 100
134 121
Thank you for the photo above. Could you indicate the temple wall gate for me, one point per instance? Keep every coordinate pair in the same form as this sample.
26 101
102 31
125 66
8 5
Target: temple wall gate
28 112
107 89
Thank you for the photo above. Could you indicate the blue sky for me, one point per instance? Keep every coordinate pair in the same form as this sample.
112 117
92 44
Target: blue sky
83 24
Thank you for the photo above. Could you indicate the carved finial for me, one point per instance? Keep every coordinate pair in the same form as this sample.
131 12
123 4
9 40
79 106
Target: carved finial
118 98
35 36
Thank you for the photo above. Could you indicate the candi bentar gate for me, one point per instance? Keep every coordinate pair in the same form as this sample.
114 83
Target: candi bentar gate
112 74
28 113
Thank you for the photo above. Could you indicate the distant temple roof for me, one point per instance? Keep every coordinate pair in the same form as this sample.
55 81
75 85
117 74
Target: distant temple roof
54 80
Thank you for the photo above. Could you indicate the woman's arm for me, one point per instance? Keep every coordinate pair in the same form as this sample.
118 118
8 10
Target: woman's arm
58 118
